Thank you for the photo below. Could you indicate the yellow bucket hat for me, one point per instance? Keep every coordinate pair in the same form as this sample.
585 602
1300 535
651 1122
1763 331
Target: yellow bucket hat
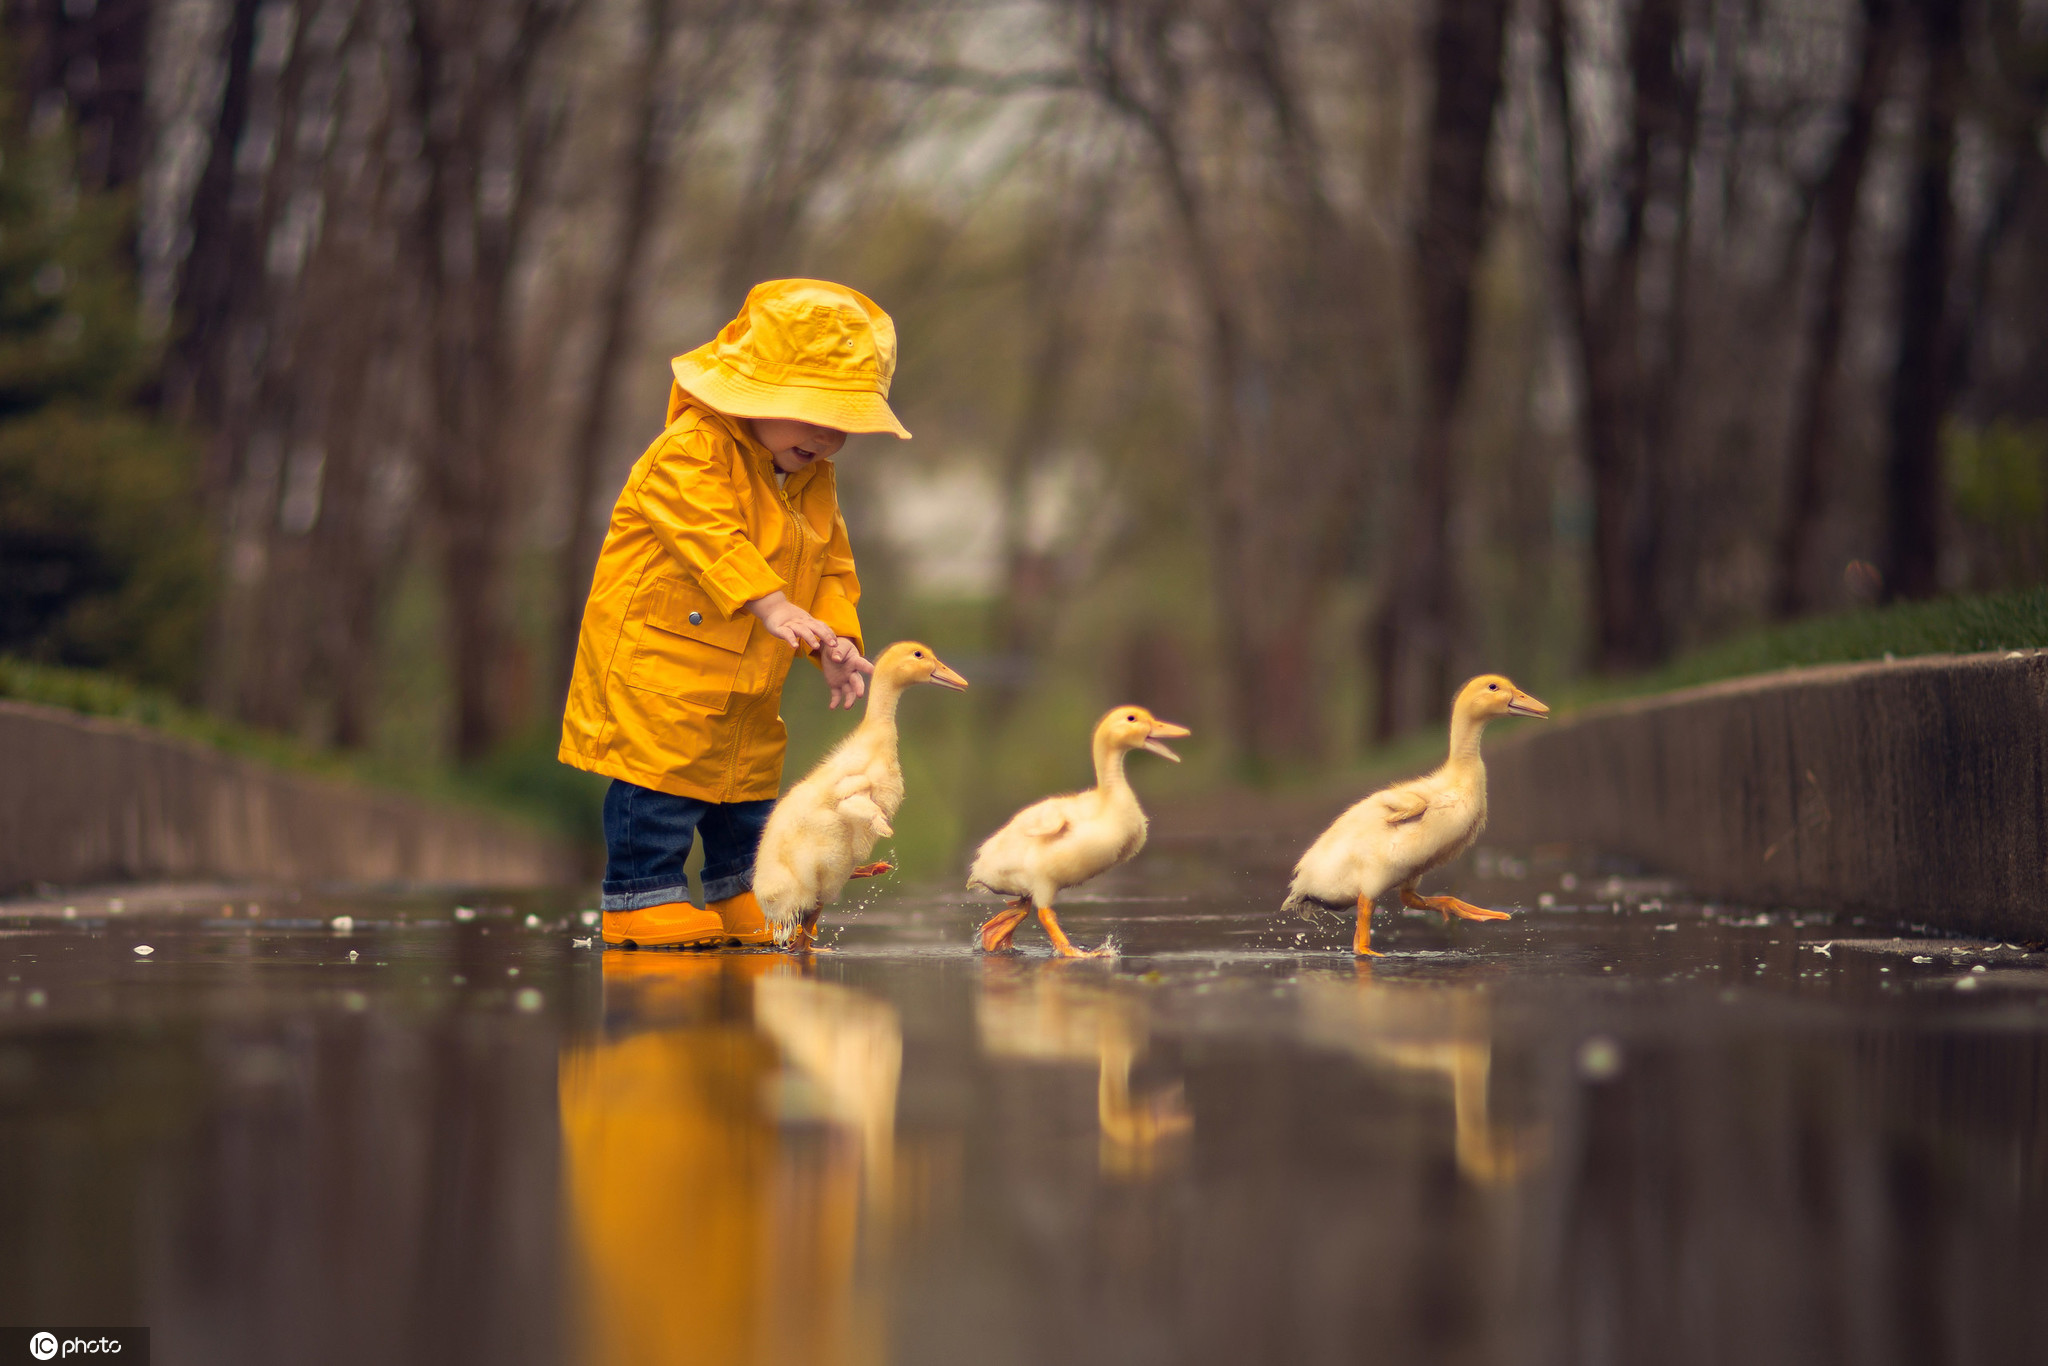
803 349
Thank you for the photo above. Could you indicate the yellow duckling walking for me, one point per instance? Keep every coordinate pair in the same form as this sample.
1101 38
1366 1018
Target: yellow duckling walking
830 821
1061 842
1401 832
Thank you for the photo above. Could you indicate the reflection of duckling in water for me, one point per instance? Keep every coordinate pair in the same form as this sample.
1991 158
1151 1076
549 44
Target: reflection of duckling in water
1401 832
849 1048
693 1213
1043 1017
1062 842
826 824
1439 1033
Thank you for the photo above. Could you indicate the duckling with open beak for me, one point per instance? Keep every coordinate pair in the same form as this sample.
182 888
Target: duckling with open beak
1062 842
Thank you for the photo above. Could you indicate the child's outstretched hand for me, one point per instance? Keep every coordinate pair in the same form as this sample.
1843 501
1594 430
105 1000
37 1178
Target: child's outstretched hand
791 624
844 670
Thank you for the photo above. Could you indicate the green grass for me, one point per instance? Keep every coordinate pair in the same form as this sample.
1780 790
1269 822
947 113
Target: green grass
1999 621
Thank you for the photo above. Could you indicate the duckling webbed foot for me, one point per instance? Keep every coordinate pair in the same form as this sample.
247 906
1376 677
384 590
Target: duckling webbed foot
805 940
1448 906
1361 938
998 929
1065 946
872 870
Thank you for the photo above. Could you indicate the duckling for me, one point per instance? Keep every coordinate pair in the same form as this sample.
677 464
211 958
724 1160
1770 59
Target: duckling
1061 842
826 824
1399 833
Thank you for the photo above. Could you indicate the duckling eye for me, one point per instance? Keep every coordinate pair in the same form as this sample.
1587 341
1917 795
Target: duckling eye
917 654
1493 687
1132 717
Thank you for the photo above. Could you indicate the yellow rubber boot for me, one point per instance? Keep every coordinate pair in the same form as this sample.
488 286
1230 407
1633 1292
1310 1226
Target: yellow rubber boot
742 918
673 925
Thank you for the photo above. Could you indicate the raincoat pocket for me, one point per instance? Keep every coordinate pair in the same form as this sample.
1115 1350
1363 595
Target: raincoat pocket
687 651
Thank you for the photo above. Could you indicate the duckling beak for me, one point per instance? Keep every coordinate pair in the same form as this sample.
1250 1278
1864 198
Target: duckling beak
1521 704
946 678
1165 730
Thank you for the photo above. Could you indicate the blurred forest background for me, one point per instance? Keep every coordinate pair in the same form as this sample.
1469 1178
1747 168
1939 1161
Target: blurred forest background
1273 363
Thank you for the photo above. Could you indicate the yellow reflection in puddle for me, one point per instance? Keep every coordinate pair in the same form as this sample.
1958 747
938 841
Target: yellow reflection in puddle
1040 1012
717 1141
1439 1035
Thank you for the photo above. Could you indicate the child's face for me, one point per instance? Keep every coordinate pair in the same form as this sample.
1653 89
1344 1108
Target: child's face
795 444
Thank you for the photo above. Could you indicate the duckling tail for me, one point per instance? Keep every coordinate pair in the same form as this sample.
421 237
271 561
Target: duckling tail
1305 904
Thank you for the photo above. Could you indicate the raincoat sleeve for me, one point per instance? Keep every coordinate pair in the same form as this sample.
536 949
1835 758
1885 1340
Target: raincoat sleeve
839 589
688 499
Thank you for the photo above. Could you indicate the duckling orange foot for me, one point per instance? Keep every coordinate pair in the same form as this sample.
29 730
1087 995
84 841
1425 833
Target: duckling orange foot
805 940
872 870
1065 946
998 929
1448 906
1361 938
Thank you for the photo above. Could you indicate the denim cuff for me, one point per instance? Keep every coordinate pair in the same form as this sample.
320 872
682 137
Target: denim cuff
732 884
640 901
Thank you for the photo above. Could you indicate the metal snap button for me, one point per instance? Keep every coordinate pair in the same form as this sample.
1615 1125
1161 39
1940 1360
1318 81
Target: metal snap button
696 618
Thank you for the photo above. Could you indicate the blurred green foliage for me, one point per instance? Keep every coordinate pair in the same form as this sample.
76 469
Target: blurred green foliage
104 557
1998 487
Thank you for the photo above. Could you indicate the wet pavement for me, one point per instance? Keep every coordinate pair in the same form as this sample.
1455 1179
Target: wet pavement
1623 1127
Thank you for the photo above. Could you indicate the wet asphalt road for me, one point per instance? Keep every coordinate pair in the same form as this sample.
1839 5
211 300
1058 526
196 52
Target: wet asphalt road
1623 1127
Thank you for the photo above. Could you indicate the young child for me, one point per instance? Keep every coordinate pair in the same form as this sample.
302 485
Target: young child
726 556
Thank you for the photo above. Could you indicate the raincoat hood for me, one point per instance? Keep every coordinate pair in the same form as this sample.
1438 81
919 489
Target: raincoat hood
804 349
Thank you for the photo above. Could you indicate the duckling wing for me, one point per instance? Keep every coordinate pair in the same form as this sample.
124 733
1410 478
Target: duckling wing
1399 805
1047 820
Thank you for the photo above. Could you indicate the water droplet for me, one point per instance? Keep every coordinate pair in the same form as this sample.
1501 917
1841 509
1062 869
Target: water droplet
529 1000
1599 1059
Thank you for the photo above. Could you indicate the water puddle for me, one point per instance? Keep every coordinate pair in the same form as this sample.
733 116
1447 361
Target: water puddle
1622 1126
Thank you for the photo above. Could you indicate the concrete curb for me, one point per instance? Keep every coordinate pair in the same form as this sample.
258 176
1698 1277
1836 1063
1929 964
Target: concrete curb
84 800
1917 788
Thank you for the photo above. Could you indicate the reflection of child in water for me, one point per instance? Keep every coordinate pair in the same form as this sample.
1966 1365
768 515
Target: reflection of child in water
727 1244
725 559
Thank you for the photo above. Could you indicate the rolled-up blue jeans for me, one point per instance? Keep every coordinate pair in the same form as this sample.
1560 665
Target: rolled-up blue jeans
647 840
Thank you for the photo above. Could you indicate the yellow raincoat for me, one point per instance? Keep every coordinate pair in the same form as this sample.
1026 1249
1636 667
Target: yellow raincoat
677 687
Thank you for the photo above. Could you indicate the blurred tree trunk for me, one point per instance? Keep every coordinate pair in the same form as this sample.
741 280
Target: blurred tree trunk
822 115
1841 192
1418 620
1921 377
668 105
214 373
1052 290
1281 313
486 124
1628 359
